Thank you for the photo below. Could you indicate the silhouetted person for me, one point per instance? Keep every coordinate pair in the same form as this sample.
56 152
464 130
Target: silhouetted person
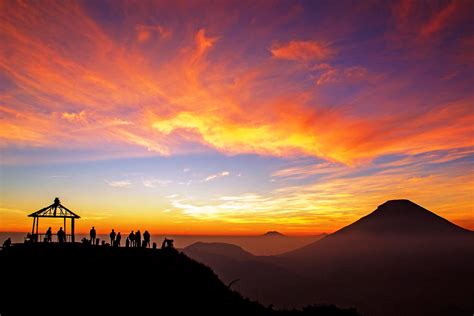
112 238
118 239
127 242
7 243
138 238
61 235
167 244
131 237
29 238
146 238
49 235
93 235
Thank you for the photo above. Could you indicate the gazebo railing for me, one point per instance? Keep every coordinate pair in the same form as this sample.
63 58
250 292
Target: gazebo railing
42 238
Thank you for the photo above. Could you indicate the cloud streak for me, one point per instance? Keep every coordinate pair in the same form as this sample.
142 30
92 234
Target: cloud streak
302 51
217 175
119 183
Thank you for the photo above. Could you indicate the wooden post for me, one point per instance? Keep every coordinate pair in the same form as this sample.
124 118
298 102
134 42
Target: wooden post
33 229
37 221
72 230
64 225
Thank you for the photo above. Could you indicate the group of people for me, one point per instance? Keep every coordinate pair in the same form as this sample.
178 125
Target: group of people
48 237
133 239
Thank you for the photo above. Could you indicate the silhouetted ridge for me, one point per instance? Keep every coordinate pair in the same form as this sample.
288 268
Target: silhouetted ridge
76 279
402 217
273 233
217 248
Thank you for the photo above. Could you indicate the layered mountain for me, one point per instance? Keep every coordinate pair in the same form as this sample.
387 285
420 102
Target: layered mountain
253 276
401 259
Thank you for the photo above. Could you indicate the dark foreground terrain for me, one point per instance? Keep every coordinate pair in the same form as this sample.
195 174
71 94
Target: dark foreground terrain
54 279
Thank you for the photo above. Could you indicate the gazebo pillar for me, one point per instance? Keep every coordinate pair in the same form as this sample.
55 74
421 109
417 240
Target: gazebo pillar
72 230
33 229
37 220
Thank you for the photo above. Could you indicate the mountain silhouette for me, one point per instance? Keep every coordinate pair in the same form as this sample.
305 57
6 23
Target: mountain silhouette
393 225
218 249
255 274
400 259
273 233
402 217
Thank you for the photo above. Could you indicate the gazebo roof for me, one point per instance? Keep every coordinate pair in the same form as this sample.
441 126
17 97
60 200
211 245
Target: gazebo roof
55 210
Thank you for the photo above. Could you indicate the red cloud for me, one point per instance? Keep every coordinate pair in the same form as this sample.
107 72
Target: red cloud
302 51
145 32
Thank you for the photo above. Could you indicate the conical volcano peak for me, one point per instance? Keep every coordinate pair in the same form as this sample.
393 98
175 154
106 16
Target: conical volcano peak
402 208
402 216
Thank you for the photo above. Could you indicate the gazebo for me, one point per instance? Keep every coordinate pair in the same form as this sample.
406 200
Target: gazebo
55 210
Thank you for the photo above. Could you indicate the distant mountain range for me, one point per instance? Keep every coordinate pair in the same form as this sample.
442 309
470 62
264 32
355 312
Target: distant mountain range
270 243
401 259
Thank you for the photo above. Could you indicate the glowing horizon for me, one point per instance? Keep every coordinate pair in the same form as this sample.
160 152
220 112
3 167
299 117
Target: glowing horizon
235 118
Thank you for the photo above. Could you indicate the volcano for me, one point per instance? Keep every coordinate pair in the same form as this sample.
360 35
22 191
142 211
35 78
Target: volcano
394 225
401 259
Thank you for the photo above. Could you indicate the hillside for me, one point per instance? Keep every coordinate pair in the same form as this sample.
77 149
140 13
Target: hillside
77 279
253 276
401 259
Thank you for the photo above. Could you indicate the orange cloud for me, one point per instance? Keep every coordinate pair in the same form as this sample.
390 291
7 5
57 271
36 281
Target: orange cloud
302 51
157 102
145 32
334 202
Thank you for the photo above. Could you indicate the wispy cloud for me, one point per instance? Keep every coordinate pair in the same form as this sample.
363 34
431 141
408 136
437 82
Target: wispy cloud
302 51
338 199
153 183
58 176
146 32
217 175
119 183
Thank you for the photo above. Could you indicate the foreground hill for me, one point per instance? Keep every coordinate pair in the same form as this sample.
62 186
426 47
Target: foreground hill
401 259
53 279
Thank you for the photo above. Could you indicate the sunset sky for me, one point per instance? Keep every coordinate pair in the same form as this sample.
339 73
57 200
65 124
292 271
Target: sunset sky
235 117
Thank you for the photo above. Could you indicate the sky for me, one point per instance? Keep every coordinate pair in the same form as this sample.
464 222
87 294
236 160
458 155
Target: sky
234 117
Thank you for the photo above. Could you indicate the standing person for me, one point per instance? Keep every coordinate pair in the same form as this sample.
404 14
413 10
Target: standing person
146 238
49 235
127 242
93 235
7 243
112 237
61 235
117 239
138 238
131 237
